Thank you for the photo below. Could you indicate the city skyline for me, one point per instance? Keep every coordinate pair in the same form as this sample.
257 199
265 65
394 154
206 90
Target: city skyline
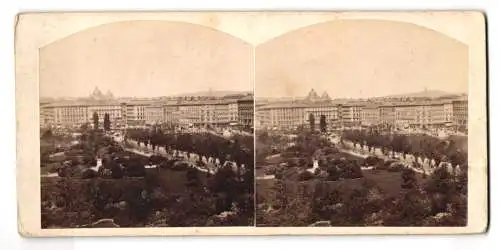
424 93
106 92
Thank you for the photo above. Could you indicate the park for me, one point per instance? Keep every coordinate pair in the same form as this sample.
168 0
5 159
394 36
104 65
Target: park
145 177
357 177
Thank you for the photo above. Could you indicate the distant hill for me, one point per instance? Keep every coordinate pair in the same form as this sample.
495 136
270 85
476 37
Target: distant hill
215 93
423 94
432 94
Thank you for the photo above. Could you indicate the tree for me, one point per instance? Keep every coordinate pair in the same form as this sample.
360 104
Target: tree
311 121
305 176
107 122
322 123
95 118
47 134
409 179
192 178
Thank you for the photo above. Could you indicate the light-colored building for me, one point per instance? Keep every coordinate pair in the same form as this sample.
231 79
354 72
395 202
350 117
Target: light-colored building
387 114
135 112
291 114
408 115
351 114
429 114
370 115
69 113
154 114
283 116
171 113
246 111
112 108
46 114
286 115
460 112
139 112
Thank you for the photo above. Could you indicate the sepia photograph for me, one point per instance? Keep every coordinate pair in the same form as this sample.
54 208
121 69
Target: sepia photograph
146 124
362 123
251 123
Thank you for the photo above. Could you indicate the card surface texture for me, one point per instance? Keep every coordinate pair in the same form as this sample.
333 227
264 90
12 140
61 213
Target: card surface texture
251 123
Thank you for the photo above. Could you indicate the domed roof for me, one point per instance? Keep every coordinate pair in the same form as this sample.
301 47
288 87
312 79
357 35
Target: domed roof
325 97
109 95
98 95
312 95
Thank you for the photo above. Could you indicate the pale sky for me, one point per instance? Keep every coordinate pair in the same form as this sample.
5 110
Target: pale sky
145 59
359 59
346 58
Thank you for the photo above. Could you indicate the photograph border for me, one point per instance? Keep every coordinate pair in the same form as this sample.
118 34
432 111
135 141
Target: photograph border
31 35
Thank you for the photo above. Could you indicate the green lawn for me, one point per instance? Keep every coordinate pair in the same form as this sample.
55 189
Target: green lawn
389 182
264 187
274 160
260 172
461 142
173 181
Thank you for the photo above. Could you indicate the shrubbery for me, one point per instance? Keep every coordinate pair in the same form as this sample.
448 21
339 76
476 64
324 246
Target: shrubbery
135 170
396 167
146 201
373 161
418 145
89 174
156 159
305 176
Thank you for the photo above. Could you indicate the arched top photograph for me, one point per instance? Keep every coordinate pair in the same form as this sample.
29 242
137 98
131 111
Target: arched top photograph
251 123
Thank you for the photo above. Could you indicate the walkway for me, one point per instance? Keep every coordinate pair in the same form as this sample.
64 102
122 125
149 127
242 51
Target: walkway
351 152
145 154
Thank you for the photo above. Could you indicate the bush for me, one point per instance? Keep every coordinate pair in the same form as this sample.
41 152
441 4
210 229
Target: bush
333 173
396 167
168 164
305 176
179 166
409 179
291 162
192 178
351 171
329 151
381 166
89 174
89 160
269 171
116 172
61 171
156 159
373 161
135 170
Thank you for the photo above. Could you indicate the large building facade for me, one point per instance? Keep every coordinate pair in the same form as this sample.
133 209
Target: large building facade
245 108
79 112
186 111
286 115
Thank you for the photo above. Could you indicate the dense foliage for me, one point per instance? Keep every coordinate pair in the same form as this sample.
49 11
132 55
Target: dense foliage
342 194
418 145
239 149
363 203
174 194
